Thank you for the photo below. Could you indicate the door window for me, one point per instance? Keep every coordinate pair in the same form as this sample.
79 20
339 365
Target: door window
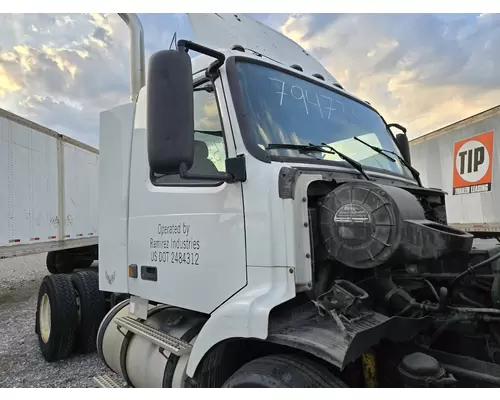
209 143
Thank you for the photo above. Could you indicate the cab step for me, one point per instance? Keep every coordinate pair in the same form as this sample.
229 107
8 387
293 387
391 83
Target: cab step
105 381
161 339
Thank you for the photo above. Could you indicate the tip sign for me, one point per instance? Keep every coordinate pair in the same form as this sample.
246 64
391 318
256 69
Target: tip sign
473 159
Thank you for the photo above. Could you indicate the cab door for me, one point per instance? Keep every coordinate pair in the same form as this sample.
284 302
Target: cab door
187 237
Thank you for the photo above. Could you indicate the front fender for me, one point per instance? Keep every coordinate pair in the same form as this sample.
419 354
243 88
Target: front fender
301 327
245 315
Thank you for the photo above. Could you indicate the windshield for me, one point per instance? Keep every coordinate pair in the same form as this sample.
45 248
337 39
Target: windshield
282 108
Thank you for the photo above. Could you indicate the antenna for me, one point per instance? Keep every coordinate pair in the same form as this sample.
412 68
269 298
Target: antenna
174 41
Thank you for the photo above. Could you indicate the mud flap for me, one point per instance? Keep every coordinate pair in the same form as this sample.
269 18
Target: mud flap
303 328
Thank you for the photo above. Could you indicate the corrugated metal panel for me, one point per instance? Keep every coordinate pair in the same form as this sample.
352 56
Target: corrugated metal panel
490 113
33 178
433 156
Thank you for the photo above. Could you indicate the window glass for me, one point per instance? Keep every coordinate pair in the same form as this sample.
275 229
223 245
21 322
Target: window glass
209 145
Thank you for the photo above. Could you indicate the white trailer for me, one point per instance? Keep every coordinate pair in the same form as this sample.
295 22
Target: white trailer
48 195
462 159
268 230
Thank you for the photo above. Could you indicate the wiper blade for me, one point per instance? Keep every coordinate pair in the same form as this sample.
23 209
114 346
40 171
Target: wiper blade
375 148
314 147
353 163
413 171
300 147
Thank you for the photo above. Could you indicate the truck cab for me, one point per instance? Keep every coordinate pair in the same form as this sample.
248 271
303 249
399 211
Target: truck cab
261 218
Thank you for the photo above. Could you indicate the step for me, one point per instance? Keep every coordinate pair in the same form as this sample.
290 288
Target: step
161 339
105 381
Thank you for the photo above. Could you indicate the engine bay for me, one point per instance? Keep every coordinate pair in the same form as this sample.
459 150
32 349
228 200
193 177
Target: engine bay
381 249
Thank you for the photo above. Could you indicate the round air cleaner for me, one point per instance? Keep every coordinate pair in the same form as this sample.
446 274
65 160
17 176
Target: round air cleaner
362 222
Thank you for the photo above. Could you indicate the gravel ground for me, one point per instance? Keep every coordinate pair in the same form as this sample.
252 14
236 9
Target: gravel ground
21 363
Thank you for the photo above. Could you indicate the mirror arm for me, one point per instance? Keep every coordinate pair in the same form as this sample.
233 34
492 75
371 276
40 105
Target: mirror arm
221 176
236 167
395 125
213 68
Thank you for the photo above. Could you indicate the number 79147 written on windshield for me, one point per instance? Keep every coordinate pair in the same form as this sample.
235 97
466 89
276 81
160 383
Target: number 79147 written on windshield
326 106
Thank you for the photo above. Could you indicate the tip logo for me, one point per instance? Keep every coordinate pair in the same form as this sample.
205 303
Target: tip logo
473 164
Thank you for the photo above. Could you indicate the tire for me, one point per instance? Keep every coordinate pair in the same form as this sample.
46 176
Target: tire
59 263
51 262
283 371
56 317
66 266
92 310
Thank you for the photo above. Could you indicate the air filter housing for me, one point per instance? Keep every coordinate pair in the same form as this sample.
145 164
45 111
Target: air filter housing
365 224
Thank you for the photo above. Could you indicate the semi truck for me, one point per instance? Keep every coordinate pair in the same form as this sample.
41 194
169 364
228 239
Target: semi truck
461 158
261 226
48 200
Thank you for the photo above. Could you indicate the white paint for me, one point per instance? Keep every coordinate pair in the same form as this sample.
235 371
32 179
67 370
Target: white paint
297 230
45 319
211 216
433 156
115 142
139 307
223 31
246 314
252 247
264 210
48 182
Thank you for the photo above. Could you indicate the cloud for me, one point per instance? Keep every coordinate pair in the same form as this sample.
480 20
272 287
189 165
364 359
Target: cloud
62 70
424 71
420 70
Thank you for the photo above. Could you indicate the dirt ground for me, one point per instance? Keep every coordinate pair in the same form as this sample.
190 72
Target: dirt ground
21 363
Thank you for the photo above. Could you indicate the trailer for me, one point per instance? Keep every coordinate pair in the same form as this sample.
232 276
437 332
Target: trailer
463 159
48 196
260 226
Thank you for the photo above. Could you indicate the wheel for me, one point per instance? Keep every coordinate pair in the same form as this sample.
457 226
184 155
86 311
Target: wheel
91 310
56 317
51 262
283 371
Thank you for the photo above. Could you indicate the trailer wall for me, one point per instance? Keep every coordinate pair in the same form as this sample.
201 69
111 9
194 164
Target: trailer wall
472 183
48 189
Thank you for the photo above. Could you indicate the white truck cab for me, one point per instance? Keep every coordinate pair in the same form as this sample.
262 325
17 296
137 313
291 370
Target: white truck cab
231 240
268 227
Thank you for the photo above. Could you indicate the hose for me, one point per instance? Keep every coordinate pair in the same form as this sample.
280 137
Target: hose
433 289
484 286
459 318
495 333
421 278
476 310
441 275
484 377
443 327
471 269
470 301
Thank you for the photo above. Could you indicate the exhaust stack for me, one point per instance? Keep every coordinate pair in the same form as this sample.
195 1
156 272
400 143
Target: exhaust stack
137 71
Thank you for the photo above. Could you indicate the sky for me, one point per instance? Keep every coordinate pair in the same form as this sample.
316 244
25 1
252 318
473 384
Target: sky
423 71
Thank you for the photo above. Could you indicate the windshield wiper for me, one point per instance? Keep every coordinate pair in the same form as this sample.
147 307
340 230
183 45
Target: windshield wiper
306 148
379 150
375 148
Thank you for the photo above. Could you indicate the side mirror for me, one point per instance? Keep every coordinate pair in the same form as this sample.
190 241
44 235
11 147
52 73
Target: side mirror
402 141
170 115
404 146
